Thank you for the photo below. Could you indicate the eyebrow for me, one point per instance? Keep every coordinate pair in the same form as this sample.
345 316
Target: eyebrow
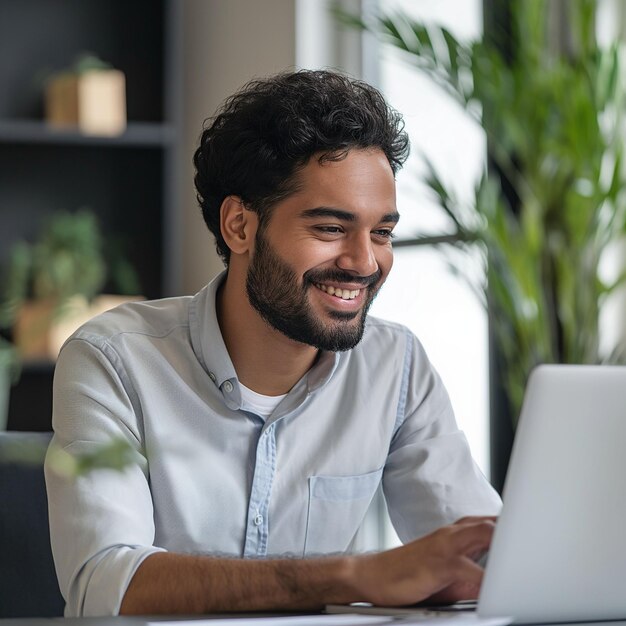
345 216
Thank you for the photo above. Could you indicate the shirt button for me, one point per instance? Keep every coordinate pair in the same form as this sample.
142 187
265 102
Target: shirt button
228 386
212 376
258 520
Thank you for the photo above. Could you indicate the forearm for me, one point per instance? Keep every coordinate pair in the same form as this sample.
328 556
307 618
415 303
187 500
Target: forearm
175 583
441 563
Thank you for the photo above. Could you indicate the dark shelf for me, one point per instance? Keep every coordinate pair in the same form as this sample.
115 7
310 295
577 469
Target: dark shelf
30 402
137 135
131 182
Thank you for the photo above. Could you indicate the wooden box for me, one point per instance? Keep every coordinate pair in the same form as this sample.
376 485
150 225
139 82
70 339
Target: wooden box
94 102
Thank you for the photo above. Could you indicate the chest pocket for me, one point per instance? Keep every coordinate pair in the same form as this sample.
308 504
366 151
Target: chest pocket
337 506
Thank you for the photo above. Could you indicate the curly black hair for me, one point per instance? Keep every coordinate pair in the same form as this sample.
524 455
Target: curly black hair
263 134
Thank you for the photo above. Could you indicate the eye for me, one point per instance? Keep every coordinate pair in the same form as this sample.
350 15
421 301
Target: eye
384 233
329 230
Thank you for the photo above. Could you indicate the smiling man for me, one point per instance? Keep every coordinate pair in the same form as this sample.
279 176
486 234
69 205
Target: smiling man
267 409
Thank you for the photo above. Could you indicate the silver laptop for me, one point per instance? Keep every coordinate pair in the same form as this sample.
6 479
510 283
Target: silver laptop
559 549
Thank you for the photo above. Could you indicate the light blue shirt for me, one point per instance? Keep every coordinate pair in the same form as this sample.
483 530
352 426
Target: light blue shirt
219 480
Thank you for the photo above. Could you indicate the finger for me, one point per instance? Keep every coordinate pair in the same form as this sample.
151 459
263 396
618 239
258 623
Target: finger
473 538
469 573
456 592
465 585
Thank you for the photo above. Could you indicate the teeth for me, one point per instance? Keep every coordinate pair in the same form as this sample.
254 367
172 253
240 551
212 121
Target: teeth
344 294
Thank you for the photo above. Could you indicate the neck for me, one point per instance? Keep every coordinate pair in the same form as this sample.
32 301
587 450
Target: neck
265 360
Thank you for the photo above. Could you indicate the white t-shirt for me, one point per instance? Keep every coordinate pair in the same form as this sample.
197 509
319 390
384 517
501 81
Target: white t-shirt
257 403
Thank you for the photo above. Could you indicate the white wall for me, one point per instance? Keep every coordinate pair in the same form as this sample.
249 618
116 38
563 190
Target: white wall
226 43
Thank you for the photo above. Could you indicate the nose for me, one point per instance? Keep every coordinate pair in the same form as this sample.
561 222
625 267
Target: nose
357 256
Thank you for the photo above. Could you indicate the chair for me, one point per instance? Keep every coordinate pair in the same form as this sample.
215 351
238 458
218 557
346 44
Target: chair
28 582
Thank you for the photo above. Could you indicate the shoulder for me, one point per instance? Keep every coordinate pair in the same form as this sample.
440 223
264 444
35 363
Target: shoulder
151 318
393 348
387 338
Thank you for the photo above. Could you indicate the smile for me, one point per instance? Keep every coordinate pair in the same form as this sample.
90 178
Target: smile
344 294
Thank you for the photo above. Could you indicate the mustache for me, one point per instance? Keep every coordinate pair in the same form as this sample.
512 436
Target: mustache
337 276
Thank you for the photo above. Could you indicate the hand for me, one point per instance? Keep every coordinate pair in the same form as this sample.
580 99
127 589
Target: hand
439 567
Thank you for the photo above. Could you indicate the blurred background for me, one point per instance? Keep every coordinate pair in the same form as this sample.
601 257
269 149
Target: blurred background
510 247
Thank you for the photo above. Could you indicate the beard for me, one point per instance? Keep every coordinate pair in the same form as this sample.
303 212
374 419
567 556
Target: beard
274 291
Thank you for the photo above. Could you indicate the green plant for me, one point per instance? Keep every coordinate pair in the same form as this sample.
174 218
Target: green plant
116 454
82 63
545 211
65 261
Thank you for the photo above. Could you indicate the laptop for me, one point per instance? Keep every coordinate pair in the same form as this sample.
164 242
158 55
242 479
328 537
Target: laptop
559 548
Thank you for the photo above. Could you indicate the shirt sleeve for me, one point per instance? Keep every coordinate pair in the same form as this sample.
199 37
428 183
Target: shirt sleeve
101 524
430 478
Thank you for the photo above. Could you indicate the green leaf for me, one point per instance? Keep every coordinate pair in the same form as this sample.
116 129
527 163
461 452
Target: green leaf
555 195
115 455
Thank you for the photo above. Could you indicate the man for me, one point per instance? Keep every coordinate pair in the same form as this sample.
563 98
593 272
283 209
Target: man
267 409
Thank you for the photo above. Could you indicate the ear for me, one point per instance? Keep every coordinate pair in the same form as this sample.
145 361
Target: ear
238 225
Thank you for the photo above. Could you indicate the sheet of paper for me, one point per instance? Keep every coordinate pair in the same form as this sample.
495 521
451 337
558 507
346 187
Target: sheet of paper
297 620
423 618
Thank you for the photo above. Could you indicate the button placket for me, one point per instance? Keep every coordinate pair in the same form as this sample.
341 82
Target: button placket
258 524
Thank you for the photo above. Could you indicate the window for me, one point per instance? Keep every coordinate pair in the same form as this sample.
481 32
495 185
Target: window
422 292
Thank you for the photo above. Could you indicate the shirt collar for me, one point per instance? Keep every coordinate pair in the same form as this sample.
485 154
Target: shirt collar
208 346
208 343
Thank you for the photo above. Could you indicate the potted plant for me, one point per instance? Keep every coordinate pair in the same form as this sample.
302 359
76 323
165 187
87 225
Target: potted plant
551 202
52 279
90 96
